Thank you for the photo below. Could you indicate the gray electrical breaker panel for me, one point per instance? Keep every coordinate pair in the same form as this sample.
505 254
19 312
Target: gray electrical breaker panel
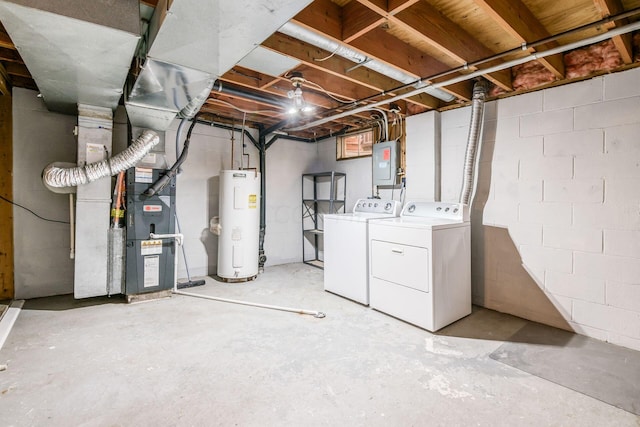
150 262
385 163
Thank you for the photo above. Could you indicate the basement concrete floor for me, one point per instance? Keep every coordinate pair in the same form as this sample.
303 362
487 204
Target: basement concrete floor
189 361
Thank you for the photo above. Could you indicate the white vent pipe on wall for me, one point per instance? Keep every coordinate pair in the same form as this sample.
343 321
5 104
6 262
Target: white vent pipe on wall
473 140
58 177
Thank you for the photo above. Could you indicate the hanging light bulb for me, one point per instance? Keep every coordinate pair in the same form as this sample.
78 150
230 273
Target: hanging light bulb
298 103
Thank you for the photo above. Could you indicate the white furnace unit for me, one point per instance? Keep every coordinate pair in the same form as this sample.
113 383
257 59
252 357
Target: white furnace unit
239 225
420 268
346 252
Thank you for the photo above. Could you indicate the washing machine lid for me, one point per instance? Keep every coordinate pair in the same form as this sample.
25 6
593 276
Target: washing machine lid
420 222
357 216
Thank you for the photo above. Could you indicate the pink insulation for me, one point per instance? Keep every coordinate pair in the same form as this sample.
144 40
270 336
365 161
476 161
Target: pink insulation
530 75
590 59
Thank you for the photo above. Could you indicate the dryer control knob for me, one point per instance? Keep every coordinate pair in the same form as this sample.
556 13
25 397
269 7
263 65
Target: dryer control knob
387 206
412 208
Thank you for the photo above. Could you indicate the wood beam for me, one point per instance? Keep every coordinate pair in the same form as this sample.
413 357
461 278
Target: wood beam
358 20
6 42
516 19
386 48
624 42
17 69
6 210
324 16
336 66
428 24
10 55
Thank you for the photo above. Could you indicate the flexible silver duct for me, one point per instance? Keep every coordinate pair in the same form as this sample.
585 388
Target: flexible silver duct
473 140
55 176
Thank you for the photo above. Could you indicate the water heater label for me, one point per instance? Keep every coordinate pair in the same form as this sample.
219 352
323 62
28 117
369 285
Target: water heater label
144 175
151 271
152 208
151 247
253 200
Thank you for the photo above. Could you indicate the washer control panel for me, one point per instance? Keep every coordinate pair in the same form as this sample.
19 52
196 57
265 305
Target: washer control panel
391 207
453 211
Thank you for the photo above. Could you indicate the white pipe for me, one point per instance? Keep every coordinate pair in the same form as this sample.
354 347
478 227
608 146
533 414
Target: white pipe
9 319
534 56
178 238
317 314
72 228
301 33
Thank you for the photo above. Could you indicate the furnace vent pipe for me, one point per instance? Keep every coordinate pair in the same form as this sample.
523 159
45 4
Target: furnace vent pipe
473 140
55 176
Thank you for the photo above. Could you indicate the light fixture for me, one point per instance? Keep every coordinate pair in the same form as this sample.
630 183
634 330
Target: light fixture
298 103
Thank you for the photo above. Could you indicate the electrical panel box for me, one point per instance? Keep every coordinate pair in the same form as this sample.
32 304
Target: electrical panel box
385 163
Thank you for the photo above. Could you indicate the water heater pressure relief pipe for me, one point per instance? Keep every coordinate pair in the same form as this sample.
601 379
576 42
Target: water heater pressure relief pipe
178 239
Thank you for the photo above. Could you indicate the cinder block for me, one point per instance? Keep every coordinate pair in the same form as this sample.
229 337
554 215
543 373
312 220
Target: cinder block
526 234
508 127
616 166
536 257
623 295
616 216
554 214
455 136
588 331
623 139
624 243
504 171
609 318
610 268
585 288
578 239
546 167
508 150
519 191
624 341
607 114
579 143
547 122
456 118
622 85
571 190
499 213
520 105
571 95
489 130
622 191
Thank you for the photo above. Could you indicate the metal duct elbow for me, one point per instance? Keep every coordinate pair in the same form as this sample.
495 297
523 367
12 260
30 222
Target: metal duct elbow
59 177
194 105
473 140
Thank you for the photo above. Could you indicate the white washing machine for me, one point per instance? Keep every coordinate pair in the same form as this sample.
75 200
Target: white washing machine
346 253
420 269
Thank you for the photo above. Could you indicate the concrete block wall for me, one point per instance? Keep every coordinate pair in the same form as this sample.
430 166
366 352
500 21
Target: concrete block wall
564 179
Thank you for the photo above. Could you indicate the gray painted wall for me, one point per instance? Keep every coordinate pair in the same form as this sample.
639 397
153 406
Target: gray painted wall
42 264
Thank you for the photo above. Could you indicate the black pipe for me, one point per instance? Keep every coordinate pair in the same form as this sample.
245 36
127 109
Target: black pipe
262 258
218 86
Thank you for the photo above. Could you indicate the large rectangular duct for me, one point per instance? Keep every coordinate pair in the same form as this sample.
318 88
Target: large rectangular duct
193 42
78 51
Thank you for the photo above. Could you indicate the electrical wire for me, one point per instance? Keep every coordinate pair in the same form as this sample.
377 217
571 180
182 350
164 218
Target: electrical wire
32 212
326 92
327 57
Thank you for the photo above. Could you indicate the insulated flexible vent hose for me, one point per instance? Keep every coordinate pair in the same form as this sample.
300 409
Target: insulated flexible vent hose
473 140
55 176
